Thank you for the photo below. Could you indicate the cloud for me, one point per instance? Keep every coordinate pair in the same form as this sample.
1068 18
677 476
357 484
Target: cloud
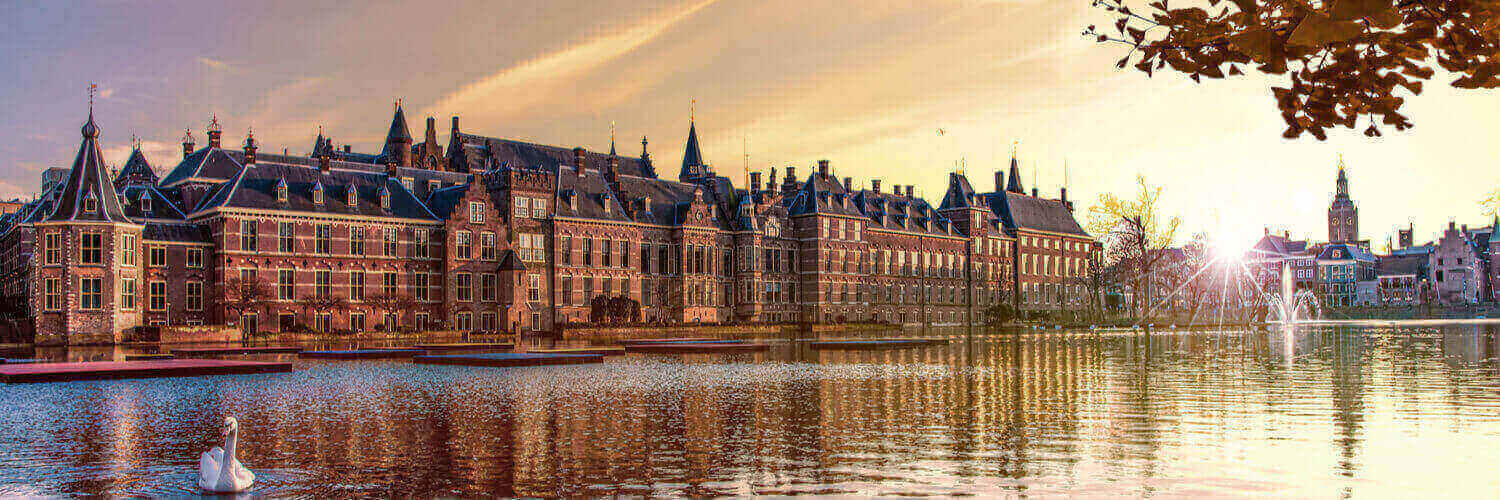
527 83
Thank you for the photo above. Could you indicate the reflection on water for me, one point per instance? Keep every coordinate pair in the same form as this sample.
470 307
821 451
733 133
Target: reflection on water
1315 412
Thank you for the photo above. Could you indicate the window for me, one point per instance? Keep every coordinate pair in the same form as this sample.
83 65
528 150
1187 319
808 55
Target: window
462 247
461 321
565 290
195 257
419 243
357 321
538 208
92 250
145 202
281 191
357 285
624 247
385 198
476 212
90 293
52 294
90 204
248 236
156 296
462 285
318 193
284 284
323 283
388 283
534 287
419 286
565 247
52 248
487 286
487 245
127 250
284 237
322 322
434 185
645 257
195 295
324 238
522 208
390 242
356 241
606 249
487 321
350 197
588 252
531 247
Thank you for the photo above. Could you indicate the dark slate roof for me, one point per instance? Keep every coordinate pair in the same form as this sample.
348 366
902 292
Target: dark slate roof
474 155
1393 265
692 157
88 180
509 262
587 196
255 187
399 130
214 164
191 233
960 194
1019 211
901 213
442 201
1014 184
1273 245
137 170
822 194
1346 252
163 206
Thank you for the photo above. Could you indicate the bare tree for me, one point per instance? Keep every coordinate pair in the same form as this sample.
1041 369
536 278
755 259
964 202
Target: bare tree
1135 236
242 295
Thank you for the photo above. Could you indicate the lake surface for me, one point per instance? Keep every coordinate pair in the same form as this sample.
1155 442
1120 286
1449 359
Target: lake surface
1318 412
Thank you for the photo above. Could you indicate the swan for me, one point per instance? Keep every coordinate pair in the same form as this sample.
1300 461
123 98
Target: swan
218 470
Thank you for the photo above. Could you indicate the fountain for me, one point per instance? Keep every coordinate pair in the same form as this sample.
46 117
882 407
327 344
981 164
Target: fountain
1291 305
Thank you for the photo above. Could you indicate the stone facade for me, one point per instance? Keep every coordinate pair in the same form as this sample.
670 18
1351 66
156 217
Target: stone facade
497 234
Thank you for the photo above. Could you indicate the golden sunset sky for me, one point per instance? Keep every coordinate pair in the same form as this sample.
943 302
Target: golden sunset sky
864 84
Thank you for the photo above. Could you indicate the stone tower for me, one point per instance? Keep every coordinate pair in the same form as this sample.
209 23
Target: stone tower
1343 216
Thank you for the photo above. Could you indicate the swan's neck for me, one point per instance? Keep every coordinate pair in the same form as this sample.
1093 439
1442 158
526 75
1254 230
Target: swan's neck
226 468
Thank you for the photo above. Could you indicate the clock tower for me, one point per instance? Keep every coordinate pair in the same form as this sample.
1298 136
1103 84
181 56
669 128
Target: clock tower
1343 216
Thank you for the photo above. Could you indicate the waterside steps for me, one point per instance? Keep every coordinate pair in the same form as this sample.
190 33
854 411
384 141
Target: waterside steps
601 350
697 347
95 370
363 354
232 351
148 357
508 359
467 346
850 344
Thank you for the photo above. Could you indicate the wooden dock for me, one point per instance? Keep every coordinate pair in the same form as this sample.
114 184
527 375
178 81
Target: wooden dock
697 347
232 351
467 346
874 343
362 354
148 357
506 359
94 370
604 351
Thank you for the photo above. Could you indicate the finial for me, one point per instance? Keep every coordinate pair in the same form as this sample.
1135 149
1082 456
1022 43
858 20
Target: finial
1341 161
92 88
692 105
320 130
398 103
213 124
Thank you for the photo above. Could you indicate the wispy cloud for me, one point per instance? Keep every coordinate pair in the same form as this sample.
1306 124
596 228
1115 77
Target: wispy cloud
526 83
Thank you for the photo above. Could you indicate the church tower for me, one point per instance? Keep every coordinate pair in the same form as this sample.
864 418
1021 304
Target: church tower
1343 216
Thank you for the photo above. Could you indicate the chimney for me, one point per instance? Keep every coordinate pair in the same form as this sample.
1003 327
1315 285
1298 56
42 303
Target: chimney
789 182
188 143
823 168
848 184
911 191
214 133
431 130
875 185
1267 229
455 127
771 182
578 160
1286 234
1033 192
999 181
348 148
754 182
1064 197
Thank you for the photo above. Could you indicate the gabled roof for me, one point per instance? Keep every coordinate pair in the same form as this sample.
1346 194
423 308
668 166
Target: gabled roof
960 194
163 206
88 182
442 201
1345 251
211 164
479 153
137 170
1397 265
1019 211
822 194
509 262
255 187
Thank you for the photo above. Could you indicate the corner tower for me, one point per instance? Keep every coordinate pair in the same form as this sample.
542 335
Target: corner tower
1343 216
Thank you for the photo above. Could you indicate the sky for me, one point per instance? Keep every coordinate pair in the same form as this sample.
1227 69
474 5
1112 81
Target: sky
866 85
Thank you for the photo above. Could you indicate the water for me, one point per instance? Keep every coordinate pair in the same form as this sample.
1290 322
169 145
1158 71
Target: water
1319 412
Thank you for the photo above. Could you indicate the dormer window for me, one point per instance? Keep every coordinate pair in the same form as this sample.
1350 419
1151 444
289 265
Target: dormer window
385 198
317 192
145 202
350 195
90 204
281 190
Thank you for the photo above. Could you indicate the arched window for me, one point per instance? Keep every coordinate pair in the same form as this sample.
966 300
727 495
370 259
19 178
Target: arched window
317 193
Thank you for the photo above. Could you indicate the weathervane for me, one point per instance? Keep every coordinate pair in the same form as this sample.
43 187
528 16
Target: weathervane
92 87
692 103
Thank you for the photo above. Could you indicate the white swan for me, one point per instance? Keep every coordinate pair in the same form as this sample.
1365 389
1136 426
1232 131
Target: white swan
218 470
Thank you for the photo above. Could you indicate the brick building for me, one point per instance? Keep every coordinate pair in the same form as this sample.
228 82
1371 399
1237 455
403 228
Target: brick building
497 234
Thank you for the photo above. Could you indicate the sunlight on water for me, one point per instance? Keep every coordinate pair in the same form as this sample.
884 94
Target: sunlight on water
1328 411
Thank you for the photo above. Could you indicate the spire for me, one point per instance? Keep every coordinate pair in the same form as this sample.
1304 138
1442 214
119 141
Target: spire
86 194
398 139
317 148
136 171
1341 195
612 138
692 157
1014 186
